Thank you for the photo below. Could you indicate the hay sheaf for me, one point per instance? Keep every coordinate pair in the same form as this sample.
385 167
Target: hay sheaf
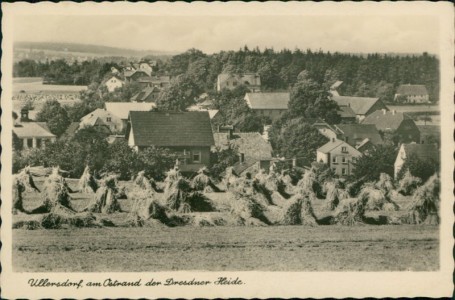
385 183
56 220
408 184
55 193
105 199
203 182
145 206
87 183
144 183
350 211
26 179
425 206
299 211
375 199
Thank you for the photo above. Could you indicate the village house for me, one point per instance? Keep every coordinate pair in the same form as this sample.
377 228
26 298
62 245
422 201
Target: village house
113 83
32 134
361 106
424 152
398 123
272 105
148 94
188 134
255 153
231 81
135 75
412 93
101 119
360 136
146 67
324 128
122 109
339 156
159 82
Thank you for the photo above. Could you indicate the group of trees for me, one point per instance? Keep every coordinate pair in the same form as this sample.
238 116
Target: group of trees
89 147
373 75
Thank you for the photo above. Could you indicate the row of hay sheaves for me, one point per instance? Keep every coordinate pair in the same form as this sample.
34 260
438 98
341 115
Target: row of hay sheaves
266 199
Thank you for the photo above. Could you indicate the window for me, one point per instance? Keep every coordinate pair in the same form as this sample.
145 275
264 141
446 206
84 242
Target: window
334 160
196 156
38 143
29 143
234 83
343 160
343 171
108 119
344 149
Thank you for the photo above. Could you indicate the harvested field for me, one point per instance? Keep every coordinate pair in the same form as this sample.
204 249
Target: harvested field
281 248
218 241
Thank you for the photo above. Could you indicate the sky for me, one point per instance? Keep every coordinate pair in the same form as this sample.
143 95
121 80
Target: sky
355 34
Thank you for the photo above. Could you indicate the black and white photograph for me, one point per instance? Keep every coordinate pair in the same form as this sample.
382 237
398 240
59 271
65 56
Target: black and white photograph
210 146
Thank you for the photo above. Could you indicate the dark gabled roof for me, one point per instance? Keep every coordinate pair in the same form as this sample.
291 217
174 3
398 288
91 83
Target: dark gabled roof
359 132
267 100
412 89
422 151
346 112
360 105
171 129
144 94
386 120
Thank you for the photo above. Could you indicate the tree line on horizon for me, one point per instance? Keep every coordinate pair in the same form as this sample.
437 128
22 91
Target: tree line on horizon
372 75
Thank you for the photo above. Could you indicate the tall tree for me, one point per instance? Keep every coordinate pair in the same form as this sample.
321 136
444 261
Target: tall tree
55 117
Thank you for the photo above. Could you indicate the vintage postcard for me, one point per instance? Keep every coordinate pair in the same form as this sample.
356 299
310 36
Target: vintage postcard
217 150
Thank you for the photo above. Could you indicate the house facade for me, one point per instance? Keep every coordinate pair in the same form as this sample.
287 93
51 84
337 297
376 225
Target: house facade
398 123
412 93
102 117
424 152
272 105
113 83
187 134
339 156
231 81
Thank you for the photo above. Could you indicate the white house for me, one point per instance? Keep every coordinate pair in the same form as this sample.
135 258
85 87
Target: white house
413 93
423 152
339 156
113 83
34 134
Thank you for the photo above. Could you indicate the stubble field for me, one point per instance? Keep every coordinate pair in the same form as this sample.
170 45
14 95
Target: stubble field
270 248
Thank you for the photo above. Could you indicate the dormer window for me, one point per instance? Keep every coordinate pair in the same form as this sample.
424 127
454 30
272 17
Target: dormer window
344 149
108 119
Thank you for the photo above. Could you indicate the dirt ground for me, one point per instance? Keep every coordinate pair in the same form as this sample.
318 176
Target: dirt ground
273 248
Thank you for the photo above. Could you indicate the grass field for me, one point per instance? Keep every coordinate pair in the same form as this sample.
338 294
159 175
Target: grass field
272 248
35 85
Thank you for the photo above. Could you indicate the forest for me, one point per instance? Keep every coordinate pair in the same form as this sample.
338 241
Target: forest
372 75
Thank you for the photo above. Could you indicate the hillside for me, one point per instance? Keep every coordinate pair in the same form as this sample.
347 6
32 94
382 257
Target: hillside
96 50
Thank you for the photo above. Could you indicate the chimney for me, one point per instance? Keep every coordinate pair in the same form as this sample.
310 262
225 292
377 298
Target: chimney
24 115
384 111
294 162
241 158
333 140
